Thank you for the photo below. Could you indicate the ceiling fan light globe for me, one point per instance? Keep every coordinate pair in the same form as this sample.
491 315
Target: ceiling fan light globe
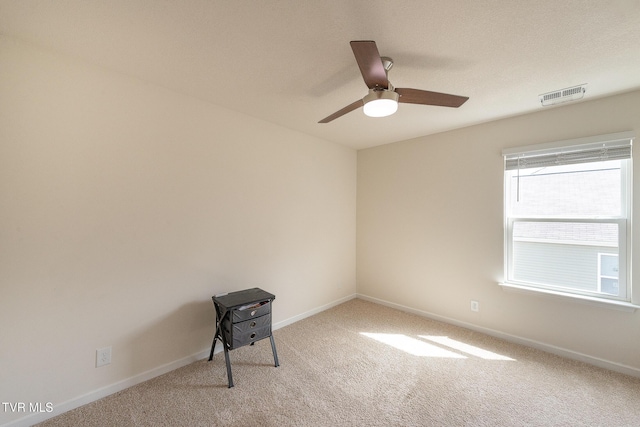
380 108
380 103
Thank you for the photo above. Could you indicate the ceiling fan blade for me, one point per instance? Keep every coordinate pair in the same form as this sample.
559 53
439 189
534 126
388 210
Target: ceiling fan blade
368 59
425 97
345 110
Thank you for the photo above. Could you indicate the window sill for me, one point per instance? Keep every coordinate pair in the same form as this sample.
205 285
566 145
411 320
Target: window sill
599 302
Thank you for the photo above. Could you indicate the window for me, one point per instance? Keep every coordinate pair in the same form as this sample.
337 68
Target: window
567 217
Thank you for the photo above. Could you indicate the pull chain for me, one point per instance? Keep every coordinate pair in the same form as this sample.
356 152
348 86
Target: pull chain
518 182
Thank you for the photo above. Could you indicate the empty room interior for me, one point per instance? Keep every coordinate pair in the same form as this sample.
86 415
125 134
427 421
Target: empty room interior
156 154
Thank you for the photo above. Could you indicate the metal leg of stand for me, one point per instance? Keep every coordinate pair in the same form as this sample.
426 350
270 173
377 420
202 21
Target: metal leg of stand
273 349
213 345
226 358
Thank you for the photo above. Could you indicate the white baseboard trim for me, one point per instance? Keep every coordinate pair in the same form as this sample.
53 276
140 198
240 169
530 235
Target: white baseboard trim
559 351
108 390
310 313
92 396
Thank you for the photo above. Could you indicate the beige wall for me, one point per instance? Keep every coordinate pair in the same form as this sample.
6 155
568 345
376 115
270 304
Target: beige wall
124 207
430 231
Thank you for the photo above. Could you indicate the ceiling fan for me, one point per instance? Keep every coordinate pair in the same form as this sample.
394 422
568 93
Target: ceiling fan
382 99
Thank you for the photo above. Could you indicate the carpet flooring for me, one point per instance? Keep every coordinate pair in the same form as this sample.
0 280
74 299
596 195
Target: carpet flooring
363 364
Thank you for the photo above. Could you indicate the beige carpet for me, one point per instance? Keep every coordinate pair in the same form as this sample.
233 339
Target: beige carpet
407 371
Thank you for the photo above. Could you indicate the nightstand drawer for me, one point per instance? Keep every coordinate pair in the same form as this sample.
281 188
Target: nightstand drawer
252 324
239 339
251 311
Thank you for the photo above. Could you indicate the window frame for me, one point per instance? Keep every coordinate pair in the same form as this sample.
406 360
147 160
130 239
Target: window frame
623 223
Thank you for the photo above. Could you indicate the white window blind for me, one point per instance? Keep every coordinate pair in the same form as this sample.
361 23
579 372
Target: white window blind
613 150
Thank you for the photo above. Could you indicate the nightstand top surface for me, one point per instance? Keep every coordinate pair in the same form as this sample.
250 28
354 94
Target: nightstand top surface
239 298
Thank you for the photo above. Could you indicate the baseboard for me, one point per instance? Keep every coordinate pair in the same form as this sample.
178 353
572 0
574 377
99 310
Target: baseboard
152 373
108 390
310 313
559 351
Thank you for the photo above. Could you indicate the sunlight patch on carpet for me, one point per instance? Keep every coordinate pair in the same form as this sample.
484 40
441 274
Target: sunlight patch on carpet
466 348
413 346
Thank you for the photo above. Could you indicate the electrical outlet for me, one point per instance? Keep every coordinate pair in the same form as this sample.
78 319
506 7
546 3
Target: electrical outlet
103 356
475 305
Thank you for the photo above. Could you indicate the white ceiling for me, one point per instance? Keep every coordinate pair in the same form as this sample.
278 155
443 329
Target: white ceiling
289 61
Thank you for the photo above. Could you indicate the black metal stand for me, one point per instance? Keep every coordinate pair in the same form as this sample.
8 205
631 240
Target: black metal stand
241 319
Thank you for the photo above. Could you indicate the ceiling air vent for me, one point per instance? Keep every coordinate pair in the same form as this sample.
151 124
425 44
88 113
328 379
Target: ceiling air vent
563 95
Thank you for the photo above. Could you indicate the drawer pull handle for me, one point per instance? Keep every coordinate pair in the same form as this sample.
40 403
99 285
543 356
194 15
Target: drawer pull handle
253 324
253 335
253 313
